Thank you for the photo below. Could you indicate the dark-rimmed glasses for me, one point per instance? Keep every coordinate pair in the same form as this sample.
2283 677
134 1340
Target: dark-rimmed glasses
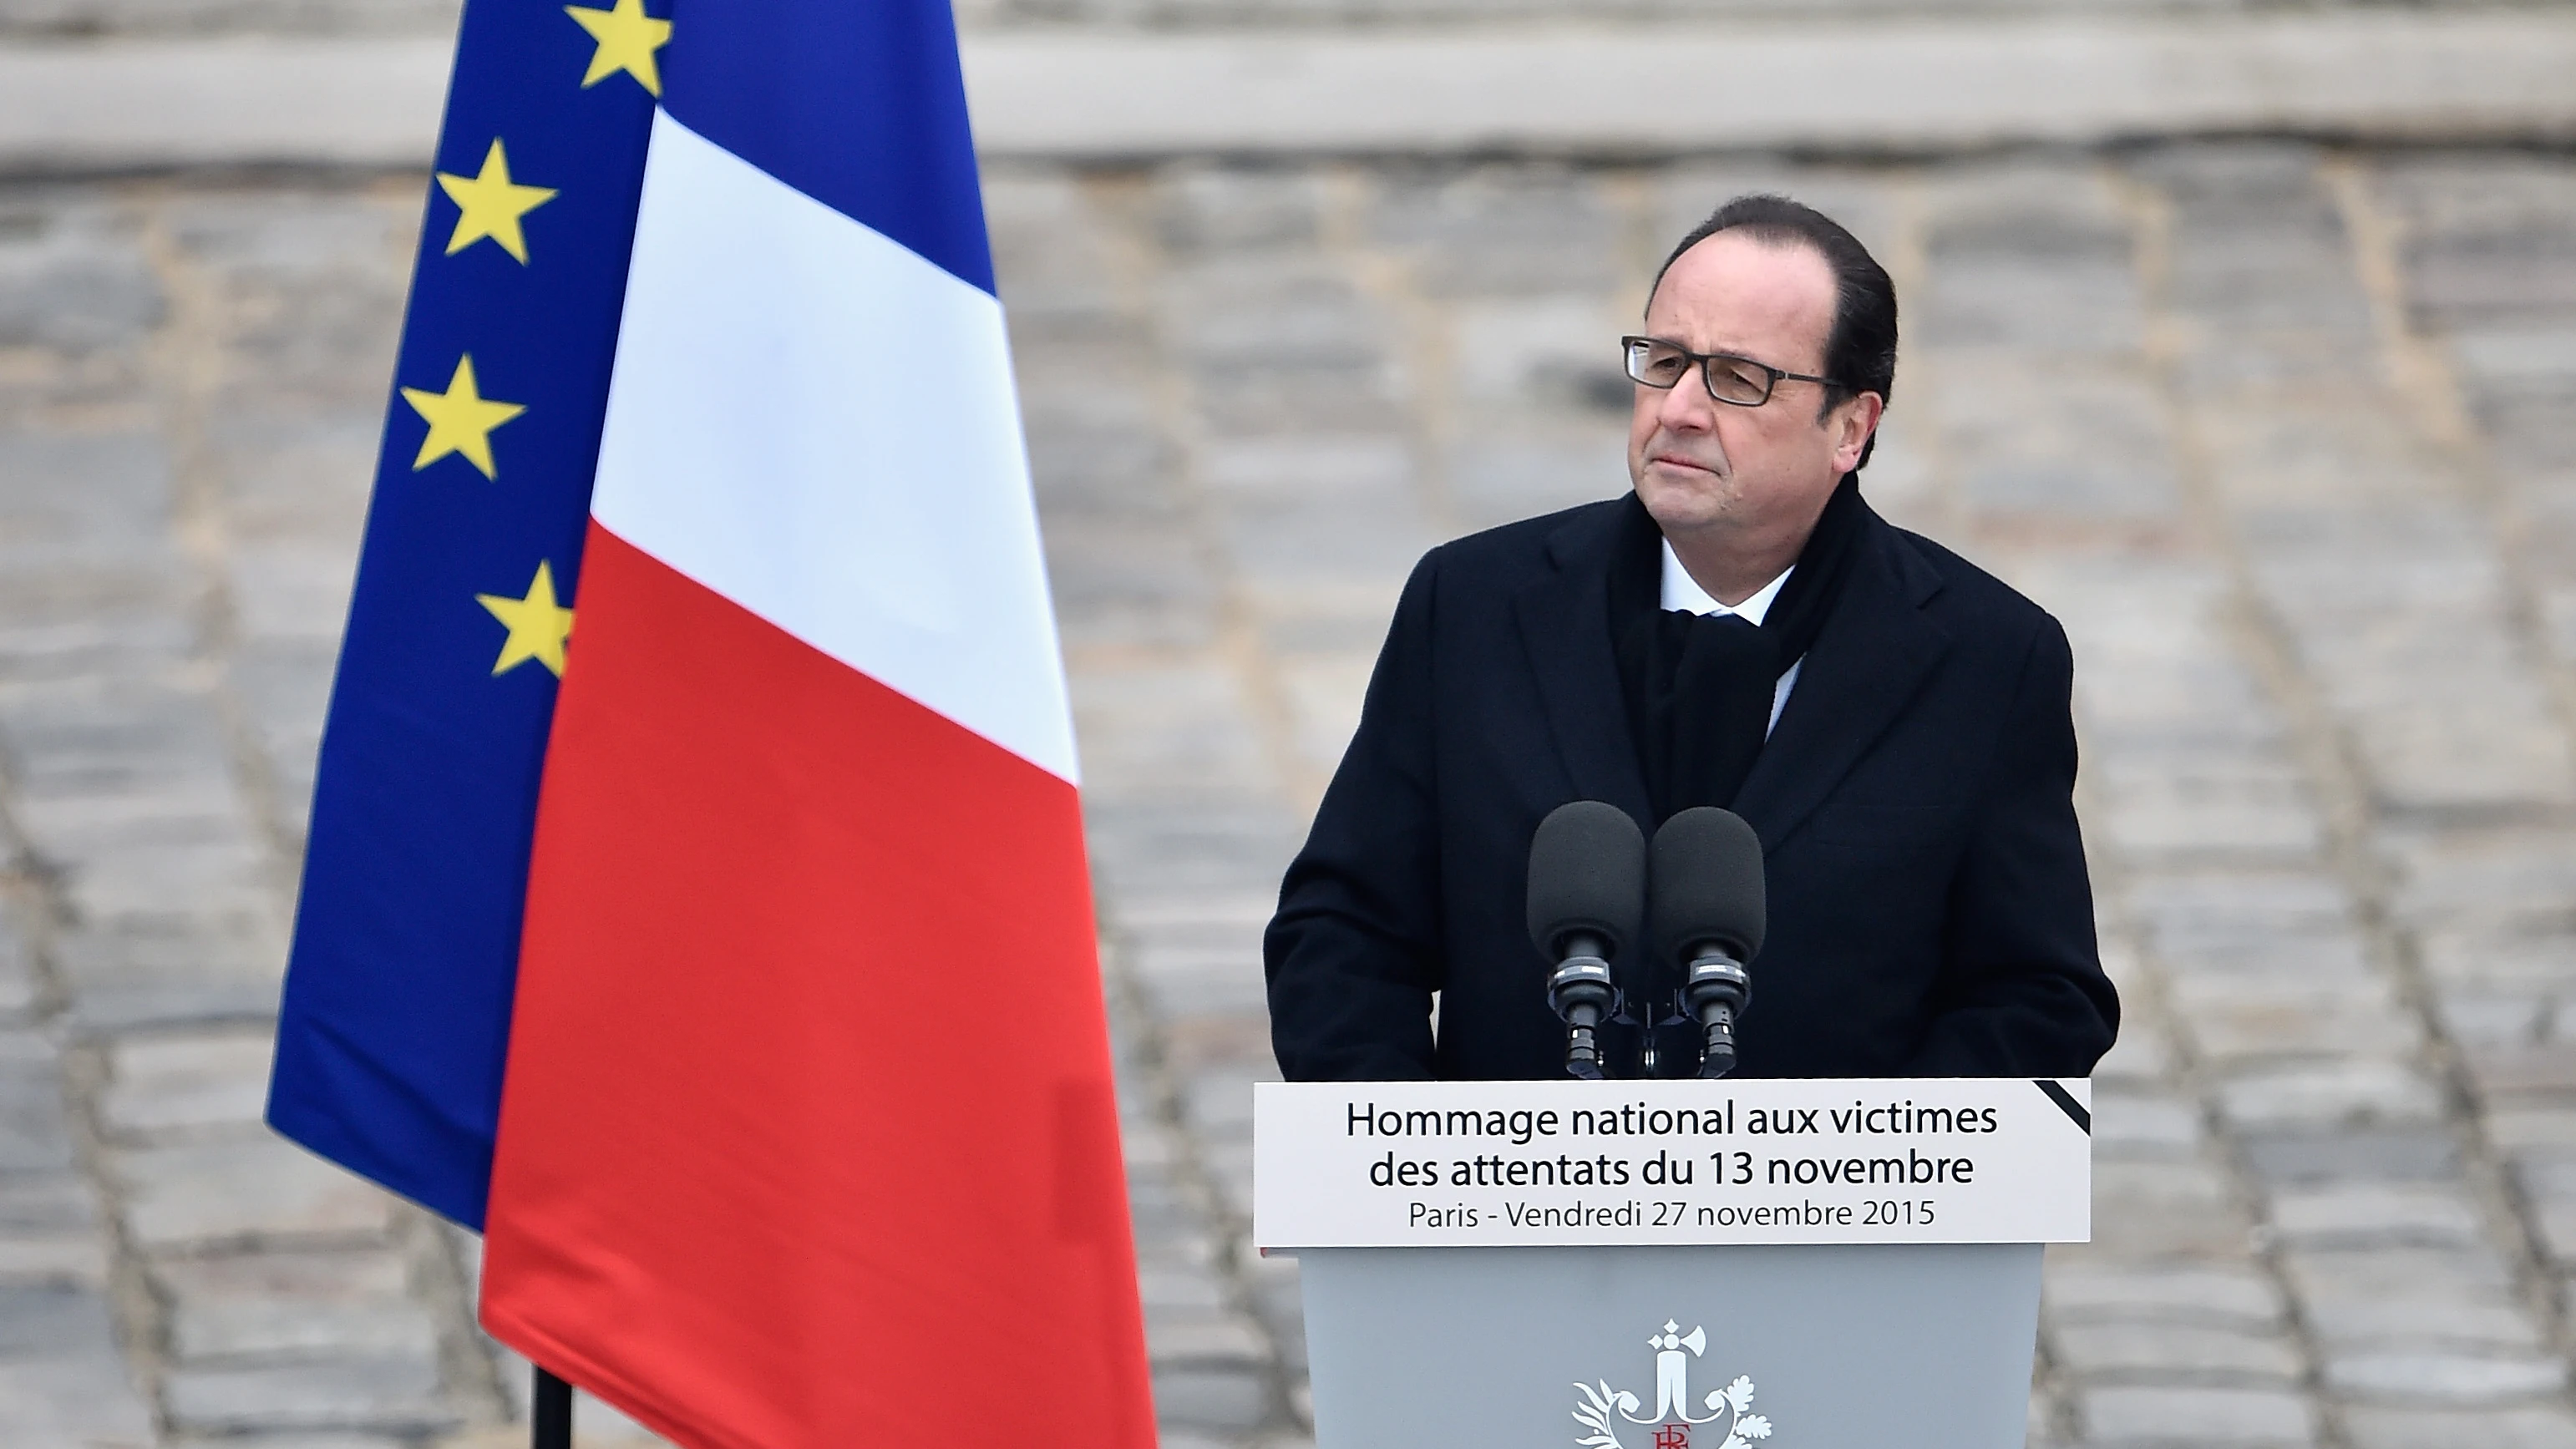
1731 379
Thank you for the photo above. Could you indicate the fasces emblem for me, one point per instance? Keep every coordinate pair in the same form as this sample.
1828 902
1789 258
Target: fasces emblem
1604 1409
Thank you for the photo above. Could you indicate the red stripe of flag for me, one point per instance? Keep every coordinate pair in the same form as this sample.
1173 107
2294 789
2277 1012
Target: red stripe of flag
808 1137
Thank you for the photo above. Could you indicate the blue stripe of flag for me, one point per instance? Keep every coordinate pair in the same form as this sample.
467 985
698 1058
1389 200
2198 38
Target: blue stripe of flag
394 1030
396 1012
857 103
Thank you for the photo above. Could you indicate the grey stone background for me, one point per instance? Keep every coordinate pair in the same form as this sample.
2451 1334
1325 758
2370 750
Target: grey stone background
2285 434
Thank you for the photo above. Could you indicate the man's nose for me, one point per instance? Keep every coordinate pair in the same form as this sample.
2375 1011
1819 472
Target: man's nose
1687 407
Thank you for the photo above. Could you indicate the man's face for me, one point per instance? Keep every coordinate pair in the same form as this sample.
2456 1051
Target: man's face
1760 474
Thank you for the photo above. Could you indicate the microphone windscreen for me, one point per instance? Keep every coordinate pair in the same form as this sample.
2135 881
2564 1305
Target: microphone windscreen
1587 872
1706 885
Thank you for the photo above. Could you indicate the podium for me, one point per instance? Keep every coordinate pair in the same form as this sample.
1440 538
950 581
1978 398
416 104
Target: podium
1671 1264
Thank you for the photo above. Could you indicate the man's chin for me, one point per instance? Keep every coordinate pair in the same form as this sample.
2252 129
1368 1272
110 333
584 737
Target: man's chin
1682 498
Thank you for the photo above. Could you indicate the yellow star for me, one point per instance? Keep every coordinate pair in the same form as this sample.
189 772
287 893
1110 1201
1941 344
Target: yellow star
491 204
538 625
461 419
627 39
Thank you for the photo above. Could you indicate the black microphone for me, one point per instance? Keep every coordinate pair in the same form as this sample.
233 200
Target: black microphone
1587 888
1708 918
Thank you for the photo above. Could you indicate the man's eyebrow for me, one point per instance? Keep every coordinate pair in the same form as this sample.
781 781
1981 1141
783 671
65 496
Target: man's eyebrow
1718 352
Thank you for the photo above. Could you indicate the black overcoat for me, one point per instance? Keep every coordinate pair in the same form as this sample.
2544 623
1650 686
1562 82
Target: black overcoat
1929 909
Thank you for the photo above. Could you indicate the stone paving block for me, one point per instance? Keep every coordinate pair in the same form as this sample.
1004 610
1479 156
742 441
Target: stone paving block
2541 960
2522 1073
2425 1153
256 1188
1201 1338
1232 209
65 1255
294 1302
163 1084
40 1321
2152 1350
2548 1184
75 278
1282 547
2136 1124
2197 1416
1170 725
2238 1297
1196 1288
2237 1017
2552 1427
1229 1171
391 1392
2045 283
34 1131
1206 1397
1492 482
2540 1127
2377 1214
2493 877
326 1439
2488 1018
1239 1042
2444 1378
1282 313
2348 1093
142 974
1507 230
2199 819
2359 1298
297 478
2237 906
2164 1207
2142 1054
1276 1301
1222 987
84 1402
1549 351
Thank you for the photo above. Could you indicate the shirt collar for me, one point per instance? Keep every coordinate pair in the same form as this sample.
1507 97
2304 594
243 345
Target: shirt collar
1683 592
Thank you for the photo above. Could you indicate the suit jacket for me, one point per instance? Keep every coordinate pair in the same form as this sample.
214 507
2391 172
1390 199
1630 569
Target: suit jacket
1929 909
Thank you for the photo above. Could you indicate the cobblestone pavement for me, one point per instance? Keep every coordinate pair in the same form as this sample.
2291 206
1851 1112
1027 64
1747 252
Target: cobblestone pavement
2286 437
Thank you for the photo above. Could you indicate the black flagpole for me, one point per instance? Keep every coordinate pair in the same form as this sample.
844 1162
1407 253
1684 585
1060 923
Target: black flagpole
550 1417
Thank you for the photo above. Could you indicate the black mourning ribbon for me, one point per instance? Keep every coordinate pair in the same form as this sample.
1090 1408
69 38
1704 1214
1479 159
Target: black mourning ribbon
1699 687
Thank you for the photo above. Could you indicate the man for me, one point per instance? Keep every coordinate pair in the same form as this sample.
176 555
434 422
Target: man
1739 631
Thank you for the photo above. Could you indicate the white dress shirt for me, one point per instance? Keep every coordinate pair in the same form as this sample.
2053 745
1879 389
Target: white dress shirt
1681 591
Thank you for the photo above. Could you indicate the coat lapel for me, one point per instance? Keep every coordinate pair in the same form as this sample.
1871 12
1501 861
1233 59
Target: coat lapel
1564 621
1875 651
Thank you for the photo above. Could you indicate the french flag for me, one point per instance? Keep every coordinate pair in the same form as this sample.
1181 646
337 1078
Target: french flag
804 1108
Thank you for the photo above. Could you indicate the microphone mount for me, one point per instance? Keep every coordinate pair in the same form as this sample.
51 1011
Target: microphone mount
1583 995
1715 992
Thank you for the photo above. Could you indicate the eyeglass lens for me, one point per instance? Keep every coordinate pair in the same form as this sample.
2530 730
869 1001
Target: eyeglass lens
1658 365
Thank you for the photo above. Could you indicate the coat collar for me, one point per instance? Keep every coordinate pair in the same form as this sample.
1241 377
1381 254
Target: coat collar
1874 652
1565 625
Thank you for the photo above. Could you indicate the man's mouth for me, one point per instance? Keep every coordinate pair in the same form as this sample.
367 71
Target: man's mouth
1675 460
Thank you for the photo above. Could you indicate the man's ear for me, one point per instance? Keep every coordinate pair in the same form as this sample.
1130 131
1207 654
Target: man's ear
1853 423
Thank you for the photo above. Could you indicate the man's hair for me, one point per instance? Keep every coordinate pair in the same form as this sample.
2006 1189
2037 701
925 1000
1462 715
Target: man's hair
1860 351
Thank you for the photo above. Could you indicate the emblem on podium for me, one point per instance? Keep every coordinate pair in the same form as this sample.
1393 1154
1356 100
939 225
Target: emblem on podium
1672 1421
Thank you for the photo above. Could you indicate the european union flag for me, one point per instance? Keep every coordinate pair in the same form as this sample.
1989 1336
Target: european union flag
397 1008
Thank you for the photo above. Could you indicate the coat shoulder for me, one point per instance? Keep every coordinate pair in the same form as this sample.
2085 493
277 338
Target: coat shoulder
1970 596
1515 552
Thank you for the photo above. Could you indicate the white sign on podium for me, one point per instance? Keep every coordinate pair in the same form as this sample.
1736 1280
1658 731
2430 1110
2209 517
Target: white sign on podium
1671 1264
1663 1163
